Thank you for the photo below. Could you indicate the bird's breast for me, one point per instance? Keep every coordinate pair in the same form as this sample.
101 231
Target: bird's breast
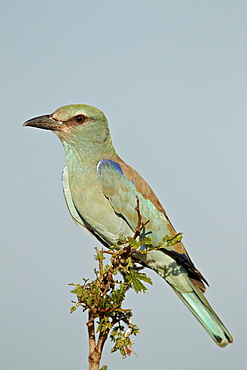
95 209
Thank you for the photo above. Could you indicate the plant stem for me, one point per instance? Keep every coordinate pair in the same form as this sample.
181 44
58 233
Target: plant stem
94 356
95 350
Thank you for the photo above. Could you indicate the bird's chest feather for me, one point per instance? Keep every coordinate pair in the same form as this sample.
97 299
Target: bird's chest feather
93 206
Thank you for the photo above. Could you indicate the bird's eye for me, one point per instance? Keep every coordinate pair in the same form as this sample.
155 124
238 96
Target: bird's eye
80 118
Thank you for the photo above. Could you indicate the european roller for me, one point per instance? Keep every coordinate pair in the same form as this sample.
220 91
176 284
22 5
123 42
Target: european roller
101 192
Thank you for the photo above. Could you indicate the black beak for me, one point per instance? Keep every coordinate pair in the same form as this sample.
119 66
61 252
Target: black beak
45 122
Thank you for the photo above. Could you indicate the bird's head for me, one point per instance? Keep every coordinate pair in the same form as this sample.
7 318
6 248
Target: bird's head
75 123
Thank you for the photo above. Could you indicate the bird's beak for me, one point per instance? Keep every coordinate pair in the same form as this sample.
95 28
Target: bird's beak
46 122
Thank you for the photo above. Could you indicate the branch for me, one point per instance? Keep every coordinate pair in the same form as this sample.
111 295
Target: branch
94 355
140 225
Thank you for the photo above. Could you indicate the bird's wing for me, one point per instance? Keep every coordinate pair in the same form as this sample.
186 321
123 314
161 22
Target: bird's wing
122 192
121 184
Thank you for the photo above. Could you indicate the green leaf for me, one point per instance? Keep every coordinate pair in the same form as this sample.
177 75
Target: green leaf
78 290
73 308
134 243
99 256
146 241
175 239
137 284
104 325
144 277
134 278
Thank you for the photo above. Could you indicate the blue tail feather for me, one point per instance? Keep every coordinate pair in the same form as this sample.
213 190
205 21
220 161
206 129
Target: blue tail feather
204 313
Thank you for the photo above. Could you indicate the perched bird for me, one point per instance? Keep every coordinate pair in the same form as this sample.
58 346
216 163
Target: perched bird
100 190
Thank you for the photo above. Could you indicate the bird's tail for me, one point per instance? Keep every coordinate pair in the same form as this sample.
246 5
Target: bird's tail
184 286
201 309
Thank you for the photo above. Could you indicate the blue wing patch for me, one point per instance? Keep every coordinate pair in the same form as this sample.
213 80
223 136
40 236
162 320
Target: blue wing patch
110 164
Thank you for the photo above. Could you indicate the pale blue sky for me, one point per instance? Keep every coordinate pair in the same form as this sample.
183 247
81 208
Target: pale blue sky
171 76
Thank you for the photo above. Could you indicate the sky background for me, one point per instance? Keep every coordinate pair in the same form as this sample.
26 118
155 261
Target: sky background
171 76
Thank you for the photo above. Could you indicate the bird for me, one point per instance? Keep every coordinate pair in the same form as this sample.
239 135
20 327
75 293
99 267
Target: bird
101 192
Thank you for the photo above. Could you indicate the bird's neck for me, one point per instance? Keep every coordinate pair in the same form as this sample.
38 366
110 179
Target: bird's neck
87 153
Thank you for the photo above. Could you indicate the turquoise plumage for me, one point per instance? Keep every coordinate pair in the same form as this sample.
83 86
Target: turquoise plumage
100 190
